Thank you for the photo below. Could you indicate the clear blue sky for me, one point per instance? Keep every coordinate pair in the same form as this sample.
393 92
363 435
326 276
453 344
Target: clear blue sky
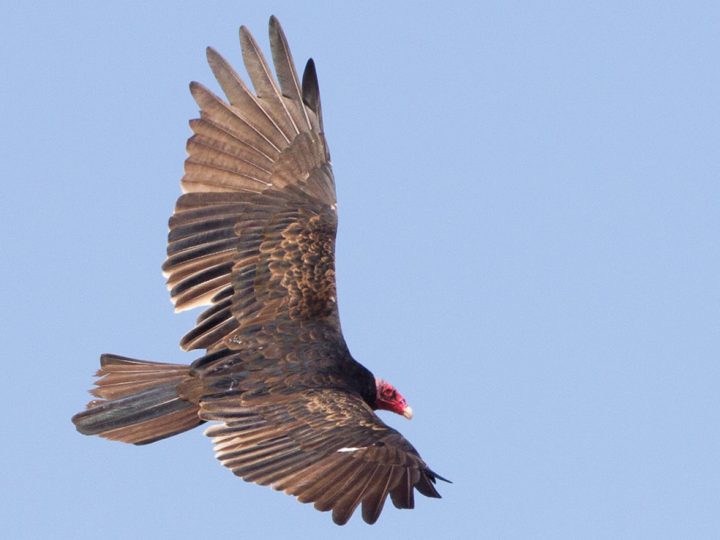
528 248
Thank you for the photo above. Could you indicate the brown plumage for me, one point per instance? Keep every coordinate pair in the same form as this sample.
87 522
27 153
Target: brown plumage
253 237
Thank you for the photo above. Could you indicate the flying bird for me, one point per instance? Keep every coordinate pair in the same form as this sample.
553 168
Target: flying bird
253 238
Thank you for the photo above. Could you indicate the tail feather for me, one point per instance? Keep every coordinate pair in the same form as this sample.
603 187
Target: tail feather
139 402
121 377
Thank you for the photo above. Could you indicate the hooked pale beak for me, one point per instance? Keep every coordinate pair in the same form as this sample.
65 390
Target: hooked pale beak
408 413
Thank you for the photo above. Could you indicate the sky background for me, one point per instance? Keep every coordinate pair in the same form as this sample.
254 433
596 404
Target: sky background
528 249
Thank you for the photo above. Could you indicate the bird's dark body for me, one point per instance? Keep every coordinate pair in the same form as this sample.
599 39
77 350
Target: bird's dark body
281 360
253 237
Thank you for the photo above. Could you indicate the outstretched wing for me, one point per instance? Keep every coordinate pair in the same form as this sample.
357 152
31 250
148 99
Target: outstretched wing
254 233
322 446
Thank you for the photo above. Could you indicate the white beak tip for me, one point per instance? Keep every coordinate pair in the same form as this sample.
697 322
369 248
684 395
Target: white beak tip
408 413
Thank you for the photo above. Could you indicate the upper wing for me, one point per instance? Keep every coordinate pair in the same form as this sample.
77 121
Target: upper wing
322 446
254 233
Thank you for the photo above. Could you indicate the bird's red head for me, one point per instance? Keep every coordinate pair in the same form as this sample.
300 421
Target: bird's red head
389 399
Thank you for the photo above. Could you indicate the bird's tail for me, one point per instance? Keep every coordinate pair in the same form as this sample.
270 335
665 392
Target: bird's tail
138 403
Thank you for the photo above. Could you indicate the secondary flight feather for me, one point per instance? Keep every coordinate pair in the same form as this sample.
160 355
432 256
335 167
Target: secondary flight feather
253 238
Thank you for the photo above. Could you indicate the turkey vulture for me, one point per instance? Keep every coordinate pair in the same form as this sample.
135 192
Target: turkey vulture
253 237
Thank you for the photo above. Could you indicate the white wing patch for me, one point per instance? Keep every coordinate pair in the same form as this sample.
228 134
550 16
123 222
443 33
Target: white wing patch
350 449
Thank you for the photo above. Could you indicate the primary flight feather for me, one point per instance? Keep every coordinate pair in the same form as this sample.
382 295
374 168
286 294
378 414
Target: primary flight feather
253 238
